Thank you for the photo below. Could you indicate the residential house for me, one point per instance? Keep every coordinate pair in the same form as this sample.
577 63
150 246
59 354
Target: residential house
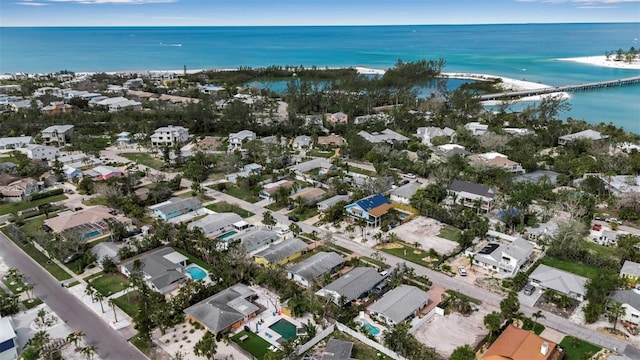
116 104
8 339
226 310
448 150
337 350
566 283
169 136
19 190
400 304
312 268
476 128
338 118
133 83
323 165
40 152
371 209
404 193
585 134
215 225
252 238
70 172
518 131
355 284
237 139
621 184
496 160
104 172
506 259
175 207
325 205
25 105
608 238
15 142
428 133
385 136
363 119
538 176
210 89
75 160
280 253
518 344
630 300
630 271
124 138
308 196
543 231
247 170
57 134
162 269
313 121
88 223
470 194
274 140
107 249
302 142
331 141
56 108
269 189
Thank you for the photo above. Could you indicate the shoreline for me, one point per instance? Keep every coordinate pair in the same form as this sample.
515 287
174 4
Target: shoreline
601 60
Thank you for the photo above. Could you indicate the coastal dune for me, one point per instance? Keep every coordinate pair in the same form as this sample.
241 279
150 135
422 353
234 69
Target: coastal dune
601 60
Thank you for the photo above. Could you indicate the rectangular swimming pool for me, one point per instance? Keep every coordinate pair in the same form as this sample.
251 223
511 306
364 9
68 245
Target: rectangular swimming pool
284 328
224 236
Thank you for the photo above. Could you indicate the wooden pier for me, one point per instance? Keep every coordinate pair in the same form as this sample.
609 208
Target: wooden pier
568 88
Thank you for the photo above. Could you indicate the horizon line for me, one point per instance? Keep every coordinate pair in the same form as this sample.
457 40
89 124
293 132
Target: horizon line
320 25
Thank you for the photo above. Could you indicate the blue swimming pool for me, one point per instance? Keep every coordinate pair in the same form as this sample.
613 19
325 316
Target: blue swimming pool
373 330
196 273
224 236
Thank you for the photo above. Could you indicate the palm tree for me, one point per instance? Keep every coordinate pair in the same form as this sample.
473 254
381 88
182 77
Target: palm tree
91 292
98 296
112 303
537 315
492 321
88 351
616 310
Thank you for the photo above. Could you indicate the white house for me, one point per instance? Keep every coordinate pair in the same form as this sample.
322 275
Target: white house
58 134
404 193
585 134
306 271
15 142
237 139
497 160
170 136
476 128
116 104
469 193
428 133
630 300
400 304
566 283
504 259
386 135
40 152
8 340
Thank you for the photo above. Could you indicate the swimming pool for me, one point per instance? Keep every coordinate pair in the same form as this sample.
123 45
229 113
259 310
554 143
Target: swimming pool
373 330
284 328
196 273
224 236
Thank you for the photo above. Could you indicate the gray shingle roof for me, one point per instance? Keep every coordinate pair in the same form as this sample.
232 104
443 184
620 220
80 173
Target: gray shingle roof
253 236
559 280
224 309
477 189
630 268
282 250
177 204
312 165
400 303
214 223
407 190
629 297
337 350
519 249
316 265
161 271
355 282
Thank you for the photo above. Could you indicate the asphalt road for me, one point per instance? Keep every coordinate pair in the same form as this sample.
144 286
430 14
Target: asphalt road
69 308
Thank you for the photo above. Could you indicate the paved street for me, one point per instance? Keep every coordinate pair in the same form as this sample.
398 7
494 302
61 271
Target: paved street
110 344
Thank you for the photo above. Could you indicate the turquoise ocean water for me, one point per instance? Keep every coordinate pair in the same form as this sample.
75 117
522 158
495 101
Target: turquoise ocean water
527 51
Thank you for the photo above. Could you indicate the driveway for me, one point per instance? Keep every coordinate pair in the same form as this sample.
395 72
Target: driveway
529 300
69 308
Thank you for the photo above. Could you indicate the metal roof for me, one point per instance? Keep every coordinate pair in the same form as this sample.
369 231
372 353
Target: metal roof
282 250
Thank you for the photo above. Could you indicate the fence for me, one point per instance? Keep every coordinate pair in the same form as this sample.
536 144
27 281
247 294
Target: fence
416 325
316 339
241 350
392 354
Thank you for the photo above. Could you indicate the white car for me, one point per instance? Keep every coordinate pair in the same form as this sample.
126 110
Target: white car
409 176
283 231
462 271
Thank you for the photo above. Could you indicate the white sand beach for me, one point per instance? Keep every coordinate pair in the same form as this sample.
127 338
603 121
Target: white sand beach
601 60
509 84
369 71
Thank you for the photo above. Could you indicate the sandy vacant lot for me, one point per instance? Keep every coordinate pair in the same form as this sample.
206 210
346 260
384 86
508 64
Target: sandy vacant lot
424 230
445 333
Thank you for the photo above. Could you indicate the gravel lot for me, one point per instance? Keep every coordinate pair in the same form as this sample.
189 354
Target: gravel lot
424 230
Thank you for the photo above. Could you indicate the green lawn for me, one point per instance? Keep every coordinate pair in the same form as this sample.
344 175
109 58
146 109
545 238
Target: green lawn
576 349
319 153
587 271
360 350
449 233
195 260
602 250
358 170
110 284
11 207
43 260
254 344
14 287
144 159
31 304
305 213
142 345
407 253
128 302
242 193
33 226
224 206
274 206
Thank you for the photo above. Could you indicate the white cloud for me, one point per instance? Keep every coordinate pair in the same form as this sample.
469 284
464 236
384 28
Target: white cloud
30 3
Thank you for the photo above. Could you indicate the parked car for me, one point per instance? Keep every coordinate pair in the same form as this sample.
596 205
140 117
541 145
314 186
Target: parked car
409 176
462 271
283 231
614 220
294 218
529 289
71 258
596 227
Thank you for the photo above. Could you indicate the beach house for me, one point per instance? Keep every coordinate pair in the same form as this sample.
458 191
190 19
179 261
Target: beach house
584 135
175 207
325 205
546 277
476 128
39 152
216 225
88 223
630 300
104 172
312 268
280 253
162 269
338 118
331 141
20 190
496 160
470 194
57 134
236 140
429 133
519 344
15 142
630 271
251 239
169 136
505 259
385 136
400 304
370 209
8 339
357 283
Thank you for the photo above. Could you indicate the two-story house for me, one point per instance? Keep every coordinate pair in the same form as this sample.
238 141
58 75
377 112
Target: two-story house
470 194
496 160
57 134
504 259
169 136
237 139
370 209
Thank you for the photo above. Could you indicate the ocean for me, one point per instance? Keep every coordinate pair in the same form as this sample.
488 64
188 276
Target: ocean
520 51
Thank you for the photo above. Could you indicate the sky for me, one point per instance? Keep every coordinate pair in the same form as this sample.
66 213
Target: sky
310 12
